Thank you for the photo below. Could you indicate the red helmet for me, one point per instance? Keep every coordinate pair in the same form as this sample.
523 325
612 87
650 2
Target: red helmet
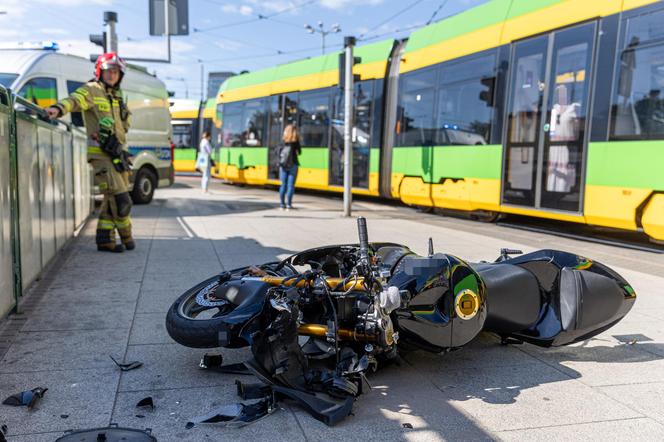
107 61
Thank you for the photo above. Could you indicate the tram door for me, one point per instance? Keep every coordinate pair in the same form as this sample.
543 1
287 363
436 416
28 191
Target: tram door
361 133
547 119
282 110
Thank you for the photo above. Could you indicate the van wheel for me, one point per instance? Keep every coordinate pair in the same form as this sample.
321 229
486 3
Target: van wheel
144 186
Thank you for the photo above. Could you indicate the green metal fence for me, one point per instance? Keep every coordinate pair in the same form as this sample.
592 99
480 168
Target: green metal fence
45 192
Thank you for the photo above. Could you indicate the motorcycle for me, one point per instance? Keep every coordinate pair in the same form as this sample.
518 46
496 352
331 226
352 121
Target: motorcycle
318 321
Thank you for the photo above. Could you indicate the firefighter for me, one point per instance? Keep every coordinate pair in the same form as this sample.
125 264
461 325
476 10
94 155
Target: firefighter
106 118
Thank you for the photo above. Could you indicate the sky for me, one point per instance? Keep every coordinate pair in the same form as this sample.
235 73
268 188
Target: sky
225 35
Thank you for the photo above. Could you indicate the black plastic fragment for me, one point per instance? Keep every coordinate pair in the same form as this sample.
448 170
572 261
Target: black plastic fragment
3 432
327 411
146 403
407 425
214 363
112 433
128 366
28 398
236 415
252 391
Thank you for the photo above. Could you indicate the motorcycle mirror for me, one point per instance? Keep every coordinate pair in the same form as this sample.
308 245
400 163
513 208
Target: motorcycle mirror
430 246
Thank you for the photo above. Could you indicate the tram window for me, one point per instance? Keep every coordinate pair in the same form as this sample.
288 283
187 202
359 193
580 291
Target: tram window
415 125
645 28
182 133
638 108
314 119
422 79
232 126
253 123
362 120
274 134
40 91
463 118
377 105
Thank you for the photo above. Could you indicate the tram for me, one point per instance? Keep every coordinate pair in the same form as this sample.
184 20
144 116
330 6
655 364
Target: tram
544 108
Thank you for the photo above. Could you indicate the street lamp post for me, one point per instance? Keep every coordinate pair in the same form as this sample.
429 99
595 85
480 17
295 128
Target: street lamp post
322 31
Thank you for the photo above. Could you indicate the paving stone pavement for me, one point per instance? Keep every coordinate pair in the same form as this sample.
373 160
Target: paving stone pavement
94 305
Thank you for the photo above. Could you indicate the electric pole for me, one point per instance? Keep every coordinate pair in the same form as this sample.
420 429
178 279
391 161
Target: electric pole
349 42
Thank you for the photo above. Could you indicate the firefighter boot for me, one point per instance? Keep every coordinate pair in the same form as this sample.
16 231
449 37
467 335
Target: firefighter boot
127 239
106 237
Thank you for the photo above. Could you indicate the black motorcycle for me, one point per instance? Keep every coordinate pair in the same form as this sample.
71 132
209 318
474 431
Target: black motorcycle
318 321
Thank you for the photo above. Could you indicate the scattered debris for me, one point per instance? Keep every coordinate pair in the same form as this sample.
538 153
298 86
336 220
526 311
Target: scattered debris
236 415
146 403
128 366
64 416
407 425
214 363
28 398
3 432
110 433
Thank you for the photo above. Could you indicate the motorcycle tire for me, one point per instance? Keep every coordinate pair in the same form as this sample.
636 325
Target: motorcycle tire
194 333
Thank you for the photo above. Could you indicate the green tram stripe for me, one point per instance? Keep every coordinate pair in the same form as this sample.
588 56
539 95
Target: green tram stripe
635 164
184 153
482 16
369 53
434 163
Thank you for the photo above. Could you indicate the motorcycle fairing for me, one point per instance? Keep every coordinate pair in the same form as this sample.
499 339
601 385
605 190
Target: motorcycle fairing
578 297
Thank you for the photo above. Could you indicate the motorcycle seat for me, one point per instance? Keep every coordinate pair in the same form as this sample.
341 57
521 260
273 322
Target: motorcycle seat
513 297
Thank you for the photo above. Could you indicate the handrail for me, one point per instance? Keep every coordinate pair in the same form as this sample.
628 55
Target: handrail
30 108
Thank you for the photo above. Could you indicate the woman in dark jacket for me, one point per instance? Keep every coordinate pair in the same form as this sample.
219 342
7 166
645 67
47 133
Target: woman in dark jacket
288 165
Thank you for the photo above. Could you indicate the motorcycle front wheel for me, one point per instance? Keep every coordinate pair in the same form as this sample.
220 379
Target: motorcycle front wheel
195 318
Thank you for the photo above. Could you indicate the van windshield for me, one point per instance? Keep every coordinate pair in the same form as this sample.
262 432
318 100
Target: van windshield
7 79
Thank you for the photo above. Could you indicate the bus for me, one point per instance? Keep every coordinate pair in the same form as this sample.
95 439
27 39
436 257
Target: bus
544 108
189 120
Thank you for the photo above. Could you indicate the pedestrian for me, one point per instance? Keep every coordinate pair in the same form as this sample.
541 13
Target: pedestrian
204 162
106 118
288 165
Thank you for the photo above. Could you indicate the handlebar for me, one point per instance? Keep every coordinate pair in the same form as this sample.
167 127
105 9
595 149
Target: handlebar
364 239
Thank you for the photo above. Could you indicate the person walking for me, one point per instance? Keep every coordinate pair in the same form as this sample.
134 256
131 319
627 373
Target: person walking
205 159
288 165
106 119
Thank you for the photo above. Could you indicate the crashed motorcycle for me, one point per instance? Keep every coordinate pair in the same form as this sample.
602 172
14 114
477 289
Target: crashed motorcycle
319 321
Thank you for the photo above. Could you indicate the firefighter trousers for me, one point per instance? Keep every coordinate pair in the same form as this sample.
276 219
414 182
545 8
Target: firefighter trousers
116 207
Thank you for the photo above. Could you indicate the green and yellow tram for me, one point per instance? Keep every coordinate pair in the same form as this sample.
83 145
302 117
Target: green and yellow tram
546 108
188 121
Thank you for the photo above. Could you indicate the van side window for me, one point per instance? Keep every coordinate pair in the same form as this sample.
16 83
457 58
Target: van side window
76 117
41 91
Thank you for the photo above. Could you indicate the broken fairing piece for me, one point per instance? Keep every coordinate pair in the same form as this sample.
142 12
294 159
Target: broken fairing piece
128 366
236 415
146 403
252 391
111 433
213 363
27 398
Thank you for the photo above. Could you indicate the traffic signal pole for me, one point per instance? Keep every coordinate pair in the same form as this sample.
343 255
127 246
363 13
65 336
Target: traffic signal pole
349 42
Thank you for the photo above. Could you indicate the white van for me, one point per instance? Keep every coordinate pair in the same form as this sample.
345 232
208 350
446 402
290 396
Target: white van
46 76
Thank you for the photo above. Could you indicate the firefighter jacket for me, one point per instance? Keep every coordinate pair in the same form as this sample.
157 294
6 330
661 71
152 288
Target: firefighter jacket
95 100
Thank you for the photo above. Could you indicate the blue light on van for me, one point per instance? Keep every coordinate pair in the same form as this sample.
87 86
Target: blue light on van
51 46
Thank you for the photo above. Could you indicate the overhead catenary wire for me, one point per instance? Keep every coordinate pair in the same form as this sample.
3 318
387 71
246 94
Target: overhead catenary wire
392 17
258 17
433 16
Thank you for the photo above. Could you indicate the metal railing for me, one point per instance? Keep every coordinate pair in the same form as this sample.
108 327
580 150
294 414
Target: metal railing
45 192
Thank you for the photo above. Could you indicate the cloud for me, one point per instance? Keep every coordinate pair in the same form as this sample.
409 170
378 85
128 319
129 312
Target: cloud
234 9
342 4
228 45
